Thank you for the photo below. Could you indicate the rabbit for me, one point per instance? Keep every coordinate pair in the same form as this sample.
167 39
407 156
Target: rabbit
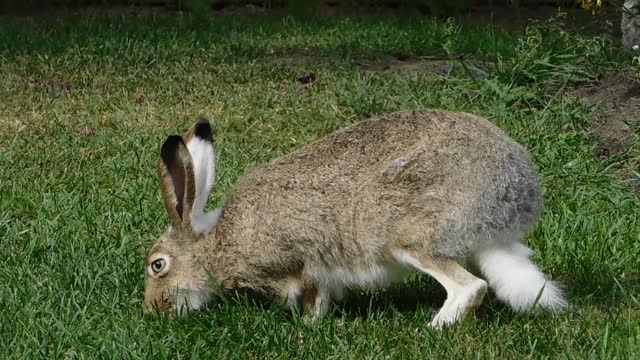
422 190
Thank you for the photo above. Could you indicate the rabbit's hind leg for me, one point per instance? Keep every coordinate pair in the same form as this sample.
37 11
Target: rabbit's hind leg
465 292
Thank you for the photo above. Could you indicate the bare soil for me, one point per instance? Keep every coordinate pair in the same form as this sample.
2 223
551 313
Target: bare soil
405 63
616 120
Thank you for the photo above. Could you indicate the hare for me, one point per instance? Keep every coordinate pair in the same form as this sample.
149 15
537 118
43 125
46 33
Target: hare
421 190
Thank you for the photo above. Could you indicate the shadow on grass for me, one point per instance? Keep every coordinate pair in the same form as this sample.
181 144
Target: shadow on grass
602 289
422 294
405 297
594 290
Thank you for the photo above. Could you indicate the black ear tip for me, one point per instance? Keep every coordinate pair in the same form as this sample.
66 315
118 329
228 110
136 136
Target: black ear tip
170 147
202 120
173 141
203 129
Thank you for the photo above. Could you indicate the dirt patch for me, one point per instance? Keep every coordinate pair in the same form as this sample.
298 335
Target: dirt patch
617 113
401 63
298 57
617 119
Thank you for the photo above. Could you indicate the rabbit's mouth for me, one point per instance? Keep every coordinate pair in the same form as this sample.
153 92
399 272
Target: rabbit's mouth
190 300
155 306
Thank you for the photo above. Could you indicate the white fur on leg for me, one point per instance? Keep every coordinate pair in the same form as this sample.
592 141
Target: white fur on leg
460 303
292 294
462 298
516 280
321 306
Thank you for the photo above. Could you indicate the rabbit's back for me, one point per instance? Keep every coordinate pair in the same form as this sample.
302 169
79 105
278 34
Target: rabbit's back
432 179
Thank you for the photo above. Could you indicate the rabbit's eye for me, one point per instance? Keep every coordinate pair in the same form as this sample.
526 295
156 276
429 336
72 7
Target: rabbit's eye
158 265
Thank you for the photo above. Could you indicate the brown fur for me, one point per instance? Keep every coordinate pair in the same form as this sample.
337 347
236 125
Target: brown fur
309 294
427 182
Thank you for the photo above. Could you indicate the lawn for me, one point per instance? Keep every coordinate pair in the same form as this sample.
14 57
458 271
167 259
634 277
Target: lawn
85 103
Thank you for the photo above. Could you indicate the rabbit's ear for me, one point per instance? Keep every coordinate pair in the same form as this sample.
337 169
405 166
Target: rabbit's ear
177 181
199 141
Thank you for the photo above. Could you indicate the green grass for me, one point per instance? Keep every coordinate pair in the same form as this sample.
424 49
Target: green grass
79 212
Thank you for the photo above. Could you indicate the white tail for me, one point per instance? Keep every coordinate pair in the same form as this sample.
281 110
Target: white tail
515 279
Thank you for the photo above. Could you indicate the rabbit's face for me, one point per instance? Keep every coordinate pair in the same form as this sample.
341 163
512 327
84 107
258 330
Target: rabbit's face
158 296
174 277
